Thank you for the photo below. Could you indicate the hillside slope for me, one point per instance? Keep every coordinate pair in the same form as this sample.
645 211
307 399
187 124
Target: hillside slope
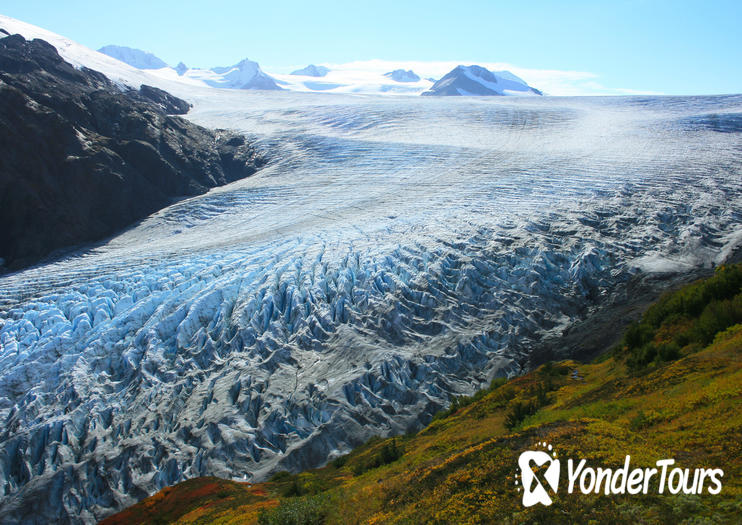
649 404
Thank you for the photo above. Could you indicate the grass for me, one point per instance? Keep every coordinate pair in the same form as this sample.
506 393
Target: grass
461 468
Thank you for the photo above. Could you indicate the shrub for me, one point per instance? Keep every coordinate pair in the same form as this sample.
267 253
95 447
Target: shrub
638 335
293 490
458 402
309 510
728 333
689 317
340 461
542 394
522 409
280 476
518 412
692 299
389 453
717 317
668 351
639 421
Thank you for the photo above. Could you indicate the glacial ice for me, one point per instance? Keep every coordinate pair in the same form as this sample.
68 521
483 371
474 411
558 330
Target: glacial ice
395 252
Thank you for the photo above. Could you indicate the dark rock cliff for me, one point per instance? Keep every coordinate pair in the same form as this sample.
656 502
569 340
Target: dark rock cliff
80 159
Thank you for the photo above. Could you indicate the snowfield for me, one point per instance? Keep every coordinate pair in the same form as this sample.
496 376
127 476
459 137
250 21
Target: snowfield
395 252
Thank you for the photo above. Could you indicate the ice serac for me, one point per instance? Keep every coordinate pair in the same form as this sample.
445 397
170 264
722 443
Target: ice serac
81 159
246 74
134 57
479 81
400 75
312 71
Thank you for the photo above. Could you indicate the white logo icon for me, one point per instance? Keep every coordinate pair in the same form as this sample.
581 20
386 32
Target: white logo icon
534 491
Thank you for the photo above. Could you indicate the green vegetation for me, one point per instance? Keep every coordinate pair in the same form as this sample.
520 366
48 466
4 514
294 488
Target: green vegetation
681 402
537 396
685 321
388 454
308 510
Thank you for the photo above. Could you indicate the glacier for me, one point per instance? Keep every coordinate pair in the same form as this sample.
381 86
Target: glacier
395 252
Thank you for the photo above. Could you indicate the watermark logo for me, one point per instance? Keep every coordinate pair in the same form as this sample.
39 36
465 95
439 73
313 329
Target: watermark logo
539 472
539 475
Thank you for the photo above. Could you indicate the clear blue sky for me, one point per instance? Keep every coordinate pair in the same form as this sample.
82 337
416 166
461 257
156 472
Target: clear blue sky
675 47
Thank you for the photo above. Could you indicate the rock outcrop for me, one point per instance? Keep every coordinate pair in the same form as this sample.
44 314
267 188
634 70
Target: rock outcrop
80 159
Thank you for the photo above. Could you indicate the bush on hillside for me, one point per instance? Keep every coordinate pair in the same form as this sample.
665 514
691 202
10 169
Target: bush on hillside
685 320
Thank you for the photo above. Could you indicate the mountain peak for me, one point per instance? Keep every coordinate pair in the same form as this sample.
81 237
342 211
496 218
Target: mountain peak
476 80
312 71
400 75
245 74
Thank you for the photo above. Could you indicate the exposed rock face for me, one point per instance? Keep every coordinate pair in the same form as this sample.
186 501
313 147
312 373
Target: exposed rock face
79 159
167 103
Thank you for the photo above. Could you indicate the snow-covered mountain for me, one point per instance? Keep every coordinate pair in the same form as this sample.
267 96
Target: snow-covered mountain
121 73
246 74
479 81
134 57
400 75
355 78
312 71
361 77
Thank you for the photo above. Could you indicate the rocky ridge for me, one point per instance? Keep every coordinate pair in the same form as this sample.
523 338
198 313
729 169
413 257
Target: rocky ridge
80 159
